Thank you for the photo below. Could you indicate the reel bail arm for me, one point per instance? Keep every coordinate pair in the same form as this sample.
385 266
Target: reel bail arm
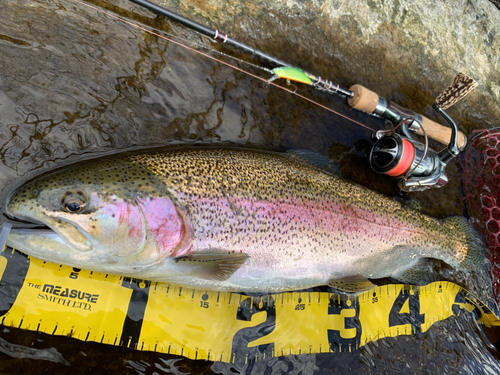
448 153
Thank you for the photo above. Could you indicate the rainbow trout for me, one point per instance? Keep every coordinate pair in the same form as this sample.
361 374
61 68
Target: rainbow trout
236 220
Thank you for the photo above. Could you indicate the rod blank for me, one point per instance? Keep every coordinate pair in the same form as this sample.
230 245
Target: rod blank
211 33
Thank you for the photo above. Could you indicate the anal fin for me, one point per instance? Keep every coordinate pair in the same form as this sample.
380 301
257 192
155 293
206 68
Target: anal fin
212 266
420 274
352 284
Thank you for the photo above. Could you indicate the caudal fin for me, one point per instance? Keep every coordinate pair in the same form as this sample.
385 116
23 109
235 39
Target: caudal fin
471 251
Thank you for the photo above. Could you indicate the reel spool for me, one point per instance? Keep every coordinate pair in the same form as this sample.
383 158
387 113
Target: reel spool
398 156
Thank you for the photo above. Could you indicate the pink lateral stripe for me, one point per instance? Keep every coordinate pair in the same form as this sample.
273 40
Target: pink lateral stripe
329 217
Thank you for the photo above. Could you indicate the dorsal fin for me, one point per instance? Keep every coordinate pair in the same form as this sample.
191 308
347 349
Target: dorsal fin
314 158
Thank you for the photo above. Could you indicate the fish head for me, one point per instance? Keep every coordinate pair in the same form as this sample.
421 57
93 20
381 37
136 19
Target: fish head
99 215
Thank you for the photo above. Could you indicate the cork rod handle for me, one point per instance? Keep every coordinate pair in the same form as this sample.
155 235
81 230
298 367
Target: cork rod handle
366 100
441 133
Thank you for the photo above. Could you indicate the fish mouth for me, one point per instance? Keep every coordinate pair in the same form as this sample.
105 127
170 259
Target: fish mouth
18 223
23 226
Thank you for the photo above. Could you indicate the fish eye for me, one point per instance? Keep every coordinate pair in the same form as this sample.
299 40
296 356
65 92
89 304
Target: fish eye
74 203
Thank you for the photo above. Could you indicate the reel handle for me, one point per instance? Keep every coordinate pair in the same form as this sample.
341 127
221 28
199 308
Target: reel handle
367 101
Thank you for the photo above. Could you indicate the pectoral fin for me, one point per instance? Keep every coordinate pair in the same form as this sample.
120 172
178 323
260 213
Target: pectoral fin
352 284
215 266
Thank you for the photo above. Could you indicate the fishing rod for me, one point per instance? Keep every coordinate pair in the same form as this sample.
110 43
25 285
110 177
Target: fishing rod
395 153
316 82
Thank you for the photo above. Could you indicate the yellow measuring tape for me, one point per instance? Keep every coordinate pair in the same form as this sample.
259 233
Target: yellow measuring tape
219 326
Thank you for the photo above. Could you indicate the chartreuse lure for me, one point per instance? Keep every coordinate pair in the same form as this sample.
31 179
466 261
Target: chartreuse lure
292 74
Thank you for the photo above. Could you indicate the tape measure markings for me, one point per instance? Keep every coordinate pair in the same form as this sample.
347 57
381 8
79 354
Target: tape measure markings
228 327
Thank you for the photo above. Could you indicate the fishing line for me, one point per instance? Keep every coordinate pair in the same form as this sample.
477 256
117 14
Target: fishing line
222 62
201 45
270 71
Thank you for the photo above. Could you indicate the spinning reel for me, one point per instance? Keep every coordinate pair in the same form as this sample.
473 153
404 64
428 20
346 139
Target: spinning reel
396 153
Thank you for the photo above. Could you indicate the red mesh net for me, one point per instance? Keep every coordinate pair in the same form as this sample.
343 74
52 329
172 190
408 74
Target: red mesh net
482 192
